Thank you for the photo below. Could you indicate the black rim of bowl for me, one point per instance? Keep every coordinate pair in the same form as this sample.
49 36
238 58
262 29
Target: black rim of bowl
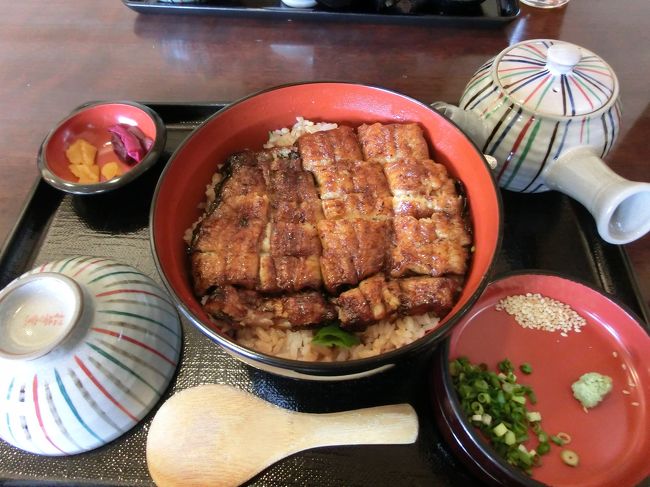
326 369
140 168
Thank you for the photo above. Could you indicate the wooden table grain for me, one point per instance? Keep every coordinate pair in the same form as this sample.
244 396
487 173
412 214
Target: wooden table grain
58 54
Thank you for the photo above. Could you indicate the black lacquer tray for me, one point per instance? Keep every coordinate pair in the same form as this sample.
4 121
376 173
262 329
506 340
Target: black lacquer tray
430 12
546 231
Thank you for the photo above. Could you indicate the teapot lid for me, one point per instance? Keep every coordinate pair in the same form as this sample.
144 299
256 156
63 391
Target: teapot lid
555 78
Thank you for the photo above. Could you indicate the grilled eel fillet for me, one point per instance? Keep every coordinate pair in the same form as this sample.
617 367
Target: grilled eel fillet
348 225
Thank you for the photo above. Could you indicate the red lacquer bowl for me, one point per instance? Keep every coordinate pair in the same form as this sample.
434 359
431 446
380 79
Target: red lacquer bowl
91 123
611 439
246 124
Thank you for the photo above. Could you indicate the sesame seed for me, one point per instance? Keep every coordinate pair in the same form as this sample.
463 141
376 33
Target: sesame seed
542 313
614 354
634 403
625 391
624 367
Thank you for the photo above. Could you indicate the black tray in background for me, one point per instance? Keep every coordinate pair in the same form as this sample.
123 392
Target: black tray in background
547 231
437 11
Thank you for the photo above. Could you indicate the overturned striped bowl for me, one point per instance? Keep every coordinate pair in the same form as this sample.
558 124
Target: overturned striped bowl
87 347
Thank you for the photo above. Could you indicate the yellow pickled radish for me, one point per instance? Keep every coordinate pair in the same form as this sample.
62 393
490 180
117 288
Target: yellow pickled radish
110 170
87 174
81 152
74 169
73 153
88 152
81 155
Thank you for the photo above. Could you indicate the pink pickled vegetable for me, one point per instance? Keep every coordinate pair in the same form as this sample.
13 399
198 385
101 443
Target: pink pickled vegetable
129 142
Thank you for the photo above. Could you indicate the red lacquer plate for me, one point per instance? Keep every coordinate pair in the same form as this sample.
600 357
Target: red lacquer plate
611 439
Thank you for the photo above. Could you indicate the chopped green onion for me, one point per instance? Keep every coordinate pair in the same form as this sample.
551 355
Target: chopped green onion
557 440
522 438
476 407
519 399
455 368
505 366
533 416
481 385
501 398
536 458
484 397
496 403
570 458
526 368
465 390
500 429
543 448
524 457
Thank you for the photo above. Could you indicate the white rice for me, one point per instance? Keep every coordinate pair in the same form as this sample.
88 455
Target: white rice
210 196
381 337
286 137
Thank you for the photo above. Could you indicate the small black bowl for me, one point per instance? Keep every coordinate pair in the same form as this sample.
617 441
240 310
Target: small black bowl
91 122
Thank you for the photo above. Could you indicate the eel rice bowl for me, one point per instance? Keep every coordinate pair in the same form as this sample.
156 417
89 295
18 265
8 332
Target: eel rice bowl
331 243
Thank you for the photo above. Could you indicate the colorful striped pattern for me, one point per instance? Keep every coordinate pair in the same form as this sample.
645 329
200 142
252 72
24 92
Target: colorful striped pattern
525 78
507 96
105 382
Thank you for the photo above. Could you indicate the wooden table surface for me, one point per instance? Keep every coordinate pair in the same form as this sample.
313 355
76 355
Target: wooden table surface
58 54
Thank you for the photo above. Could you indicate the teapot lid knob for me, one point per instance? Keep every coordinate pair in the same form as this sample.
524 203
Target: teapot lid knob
562 58
551 77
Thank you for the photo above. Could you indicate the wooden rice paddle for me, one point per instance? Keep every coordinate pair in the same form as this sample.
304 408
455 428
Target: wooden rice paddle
221 436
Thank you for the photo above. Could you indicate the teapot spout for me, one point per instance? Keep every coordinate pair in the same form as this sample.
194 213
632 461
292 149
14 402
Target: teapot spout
621 207
469 122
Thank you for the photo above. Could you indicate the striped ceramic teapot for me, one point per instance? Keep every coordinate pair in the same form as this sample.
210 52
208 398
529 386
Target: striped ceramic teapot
548 111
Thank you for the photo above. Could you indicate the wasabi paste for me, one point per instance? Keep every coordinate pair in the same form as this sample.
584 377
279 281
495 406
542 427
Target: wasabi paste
591 388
